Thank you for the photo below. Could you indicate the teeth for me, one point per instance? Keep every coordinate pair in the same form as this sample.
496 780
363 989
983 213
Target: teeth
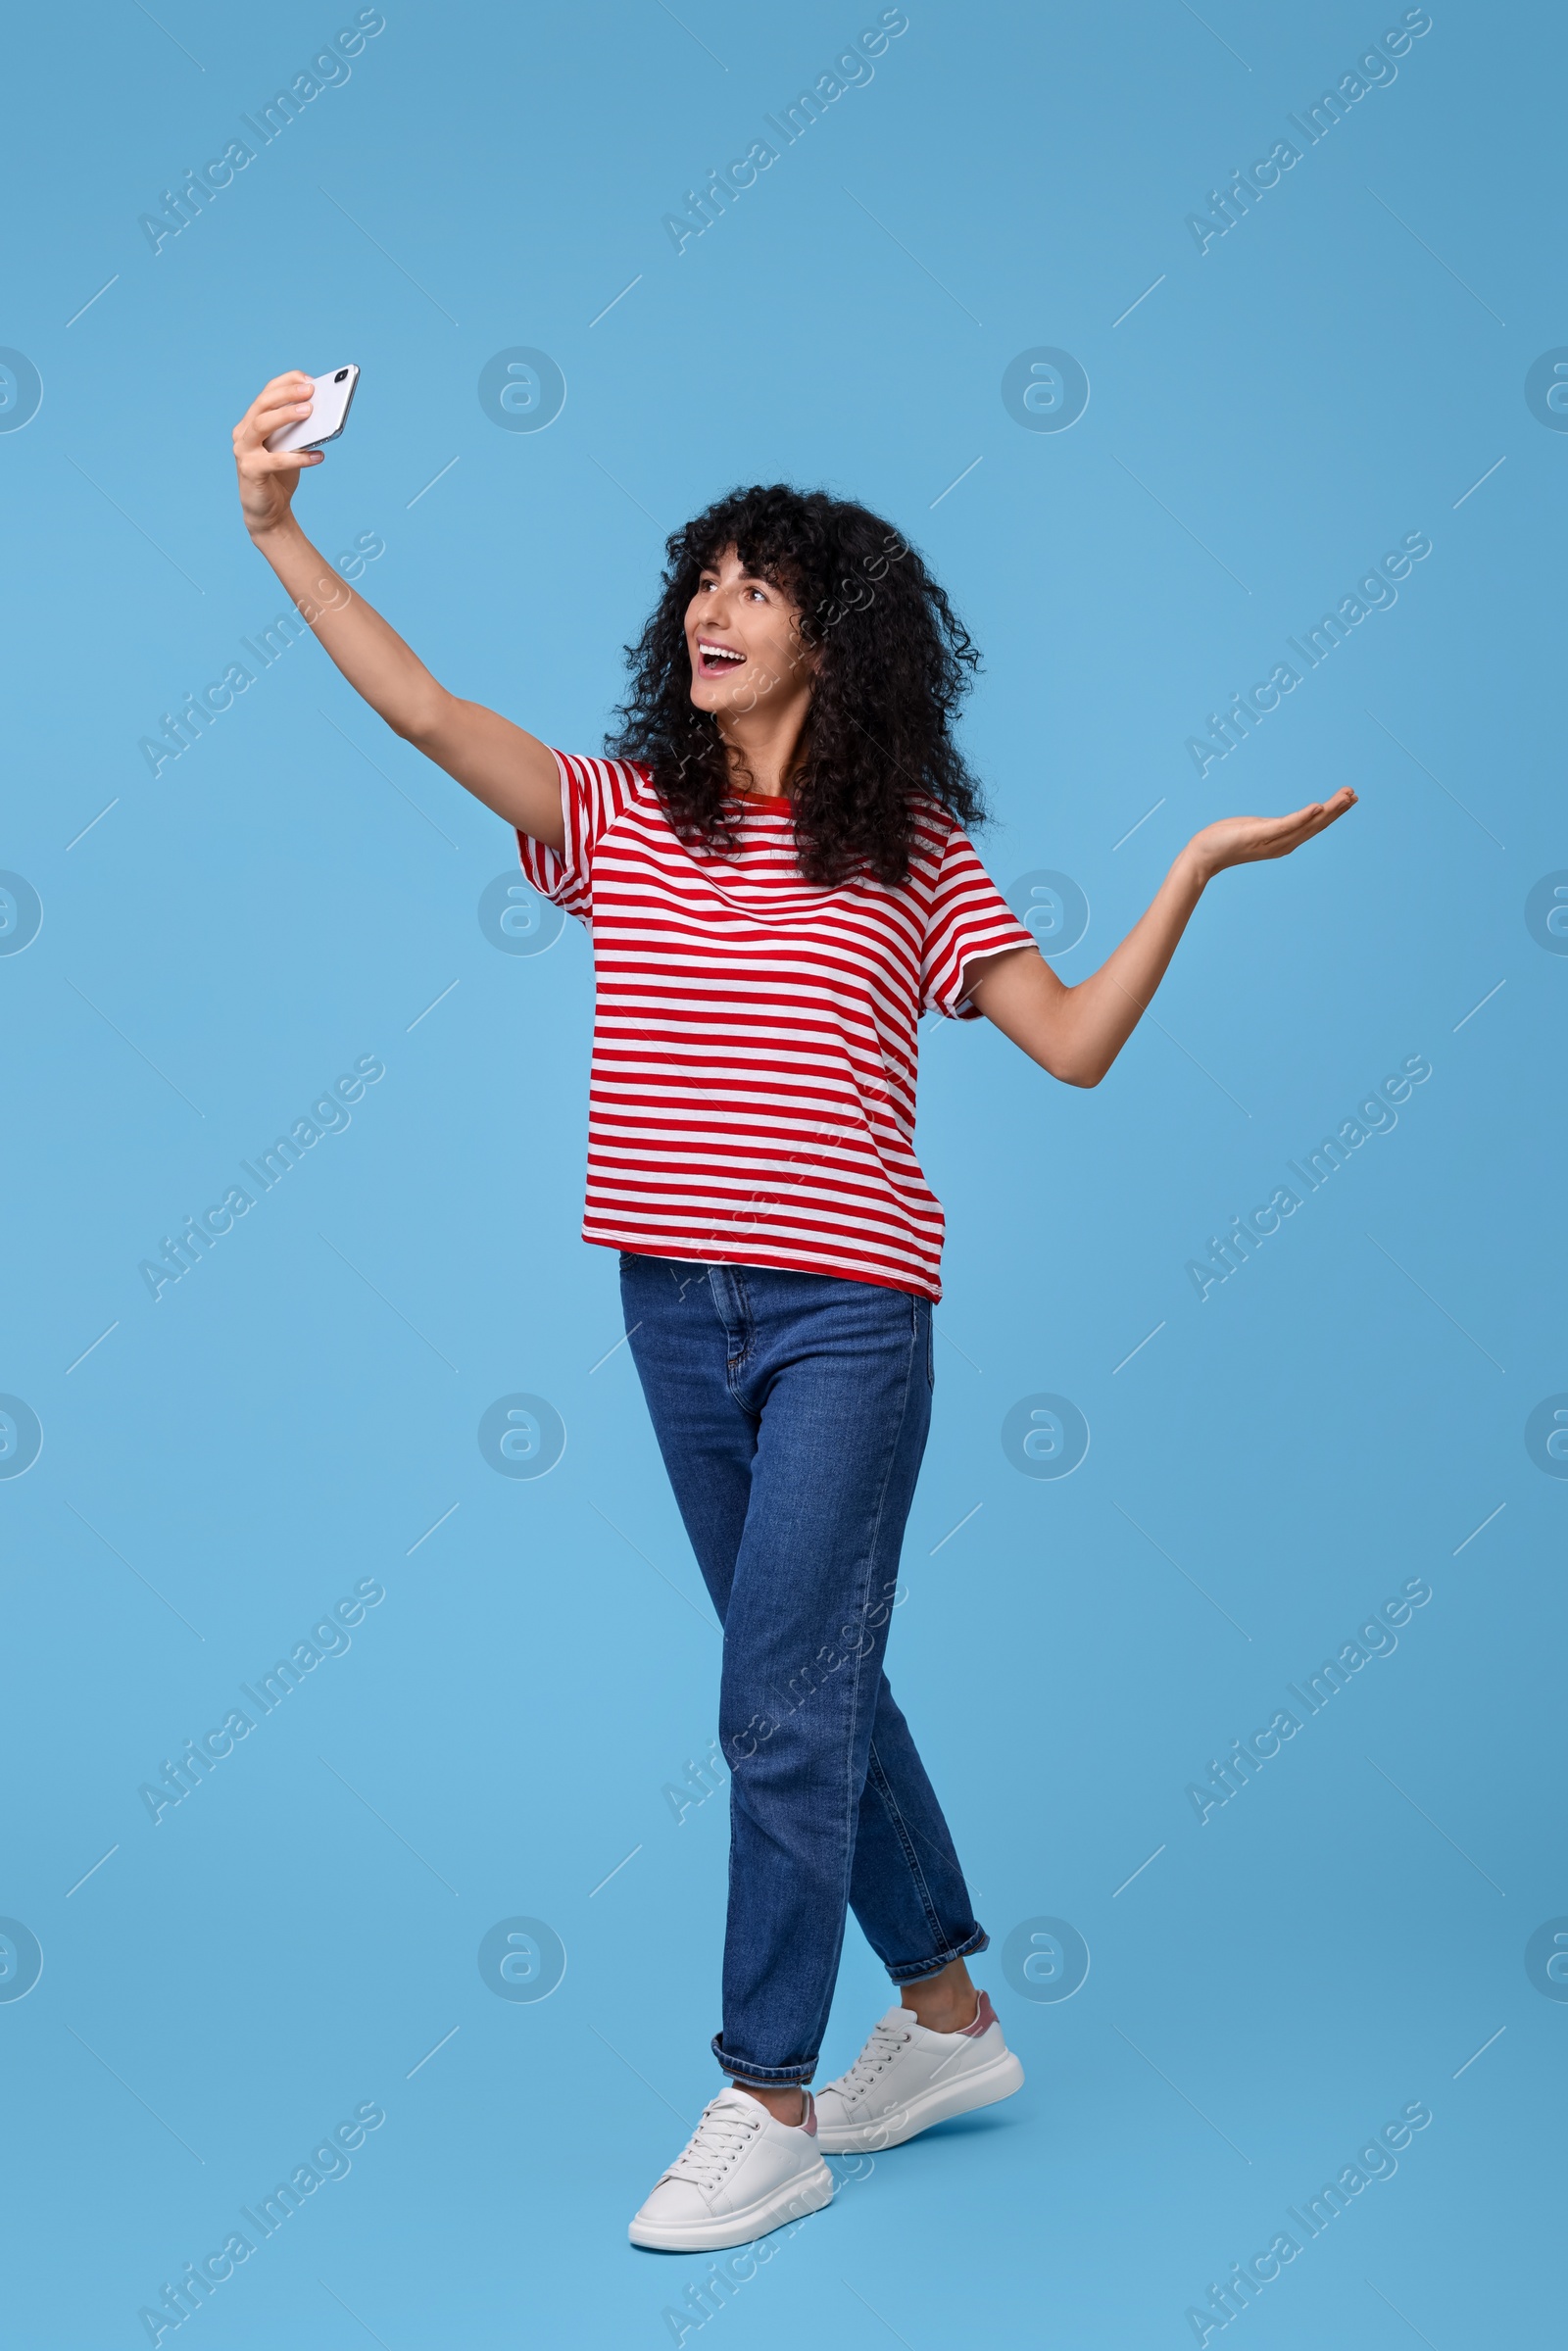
719 653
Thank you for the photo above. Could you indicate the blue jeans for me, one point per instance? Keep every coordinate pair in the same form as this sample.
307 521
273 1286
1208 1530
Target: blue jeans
792 1411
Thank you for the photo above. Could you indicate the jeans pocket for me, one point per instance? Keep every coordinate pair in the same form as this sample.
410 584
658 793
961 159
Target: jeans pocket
930 1344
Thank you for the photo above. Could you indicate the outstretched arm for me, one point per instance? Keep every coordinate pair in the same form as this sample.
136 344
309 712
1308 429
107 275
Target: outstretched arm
511 771
1076 1032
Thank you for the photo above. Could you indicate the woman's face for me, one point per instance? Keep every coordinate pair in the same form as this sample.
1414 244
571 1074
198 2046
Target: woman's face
742 638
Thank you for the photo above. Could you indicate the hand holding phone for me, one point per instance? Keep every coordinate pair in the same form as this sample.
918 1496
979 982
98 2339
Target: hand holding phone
279 438
330 397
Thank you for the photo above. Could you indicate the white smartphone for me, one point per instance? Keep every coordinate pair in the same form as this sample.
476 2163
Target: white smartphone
331 396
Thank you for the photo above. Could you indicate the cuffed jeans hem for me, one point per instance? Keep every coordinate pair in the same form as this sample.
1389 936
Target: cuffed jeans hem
915 1971
766 2076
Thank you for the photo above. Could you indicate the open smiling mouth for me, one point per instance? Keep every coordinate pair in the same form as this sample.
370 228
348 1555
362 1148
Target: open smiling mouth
717 660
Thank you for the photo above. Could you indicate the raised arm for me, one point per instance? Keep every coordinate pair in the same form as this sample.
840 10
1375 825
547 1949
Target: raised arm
511 771
1077 1032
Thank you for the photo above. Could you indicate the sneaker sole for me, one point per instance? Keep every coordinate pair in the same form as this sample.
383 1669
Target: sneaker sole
790 2202
998 2079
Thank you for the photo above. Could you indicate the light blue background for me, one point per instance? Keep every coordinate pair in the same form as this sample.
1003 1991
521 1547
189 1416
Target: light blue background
299 887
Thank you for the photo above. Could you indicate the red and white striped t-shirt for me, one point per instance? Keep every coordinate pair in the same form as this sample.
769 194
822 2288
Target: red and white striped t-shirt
751 1100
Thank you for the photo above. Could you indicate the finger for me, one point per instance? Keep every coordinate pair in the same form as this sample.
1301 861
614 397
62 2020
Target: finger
258 455
260 461
274 420
1279 836
284 391
1314 819
1276 834
255 429
1320 820
292 403
292 386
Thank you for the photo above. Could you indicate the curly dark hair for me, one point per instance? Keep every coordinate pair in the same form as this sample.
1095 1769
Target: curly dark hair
894 663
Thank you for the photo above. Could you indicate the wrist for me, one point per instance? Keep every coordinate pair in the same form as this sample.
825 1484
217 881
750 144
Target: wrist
1192 870
275 531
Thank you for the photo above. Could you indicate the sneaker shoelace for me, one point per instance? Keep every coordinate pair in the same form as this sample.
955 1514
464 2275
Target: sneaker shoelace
880 2050
719 2137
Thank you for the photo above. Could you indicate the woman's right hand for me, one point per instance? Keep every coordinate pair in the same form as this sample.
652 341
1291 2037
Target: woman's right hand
268 477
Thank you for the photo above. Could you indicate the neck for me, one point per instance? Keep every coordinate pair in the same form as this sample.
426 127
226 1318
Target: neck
763 747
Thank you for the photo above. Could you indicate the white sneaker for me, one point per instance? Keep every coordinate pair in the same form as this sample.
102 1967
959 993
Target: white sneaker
905 2079
739 2174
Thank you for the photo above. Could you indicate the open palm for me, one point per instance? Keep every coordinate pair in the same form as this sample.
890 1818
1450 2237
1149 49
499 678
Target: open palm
1242 840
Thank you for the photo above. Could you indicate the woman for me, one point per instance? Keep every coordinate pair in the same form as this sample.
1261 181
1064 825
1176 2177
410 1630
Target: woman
780 884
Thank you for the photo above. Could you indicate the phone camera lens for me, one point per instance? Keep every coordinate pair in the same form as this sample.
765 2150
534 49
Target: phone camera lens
341 376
